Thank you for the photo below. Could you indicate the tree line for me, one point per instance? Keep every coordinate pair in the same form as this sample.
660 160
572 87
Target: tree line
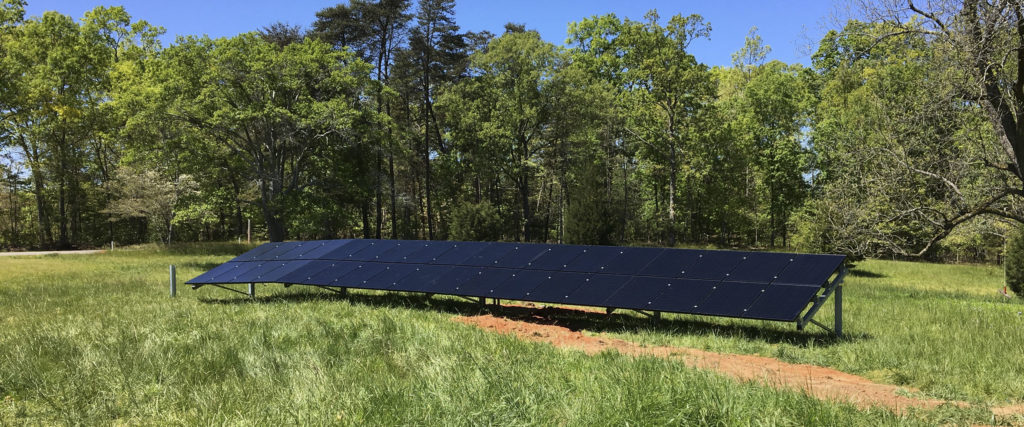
385 120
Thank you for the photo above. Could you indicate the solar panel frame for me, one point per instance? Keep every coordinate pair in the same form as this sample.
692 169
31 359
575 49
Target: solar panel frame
755 285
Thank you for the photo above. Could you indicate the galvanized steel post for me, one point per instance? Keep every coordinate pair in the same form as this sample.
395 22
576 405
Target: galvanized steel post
174 283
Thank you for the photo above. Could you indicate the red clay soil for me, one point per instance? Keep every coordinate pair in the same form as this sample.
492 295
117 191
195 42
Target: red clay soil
824 383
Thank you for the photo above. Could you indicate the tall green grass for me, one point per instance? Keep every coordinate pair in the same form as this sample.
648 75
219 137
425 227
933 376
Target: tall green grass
94 339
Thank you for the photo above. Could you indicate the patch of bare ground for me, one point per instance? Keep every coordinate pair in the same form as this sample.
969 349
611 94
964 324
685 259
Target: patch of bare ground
530 323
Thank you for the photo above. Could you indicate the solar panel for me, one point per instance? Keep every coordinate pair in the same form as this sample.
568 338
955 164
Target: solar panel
769 286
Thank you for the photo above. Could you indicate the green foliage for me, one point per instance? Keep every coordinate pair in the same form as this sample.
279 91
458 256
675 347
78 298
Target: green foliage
476 222
589 217
1014 261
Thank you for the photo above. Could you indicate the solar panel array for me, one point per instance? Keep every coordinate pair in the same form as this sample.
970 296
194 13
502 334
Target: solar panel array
756 285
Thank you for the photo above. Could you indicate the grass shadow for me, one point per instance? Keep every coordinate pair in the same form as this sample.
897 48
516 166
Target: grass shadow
865 273
576 319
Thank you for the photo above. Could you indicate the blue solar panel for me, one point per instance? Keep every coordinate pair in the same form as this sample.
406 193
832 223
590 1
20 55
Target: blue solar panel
306 272
484 280
236 270
730 299
781 302
771 286
519 286
631 260
640 292
277 252
451 280
460 251
428 252
596 289
332 274
521 255
593 259
489 255
683 294
374 250
556 257
209 276
423 279
256 252
392 274
554 287
760 267
671 263
345 251
713 265
321 248
810 270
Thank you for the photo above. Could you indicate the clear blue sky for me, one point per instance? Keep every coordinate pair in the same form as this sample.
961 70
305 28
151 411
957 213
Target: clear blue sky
789 27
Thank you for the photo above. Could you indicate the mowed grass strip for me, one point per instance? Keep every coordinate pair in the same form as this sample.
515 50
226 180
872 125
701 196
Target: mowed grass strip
94 339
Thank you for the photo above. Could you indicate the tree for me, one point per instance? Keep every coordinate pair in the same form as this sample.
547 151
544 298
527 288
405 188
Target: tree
437 49
668 90
280 109
375 30
147 194
514 72
979 46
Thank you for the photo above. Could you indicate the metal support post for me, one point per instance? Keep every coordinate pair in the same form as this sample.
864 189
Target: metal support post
252 290
838 301
174 283
835 289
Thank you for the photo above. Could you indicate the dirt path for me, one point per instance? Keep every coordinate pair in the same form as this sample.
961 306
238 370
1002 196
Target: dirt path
823 383
82 252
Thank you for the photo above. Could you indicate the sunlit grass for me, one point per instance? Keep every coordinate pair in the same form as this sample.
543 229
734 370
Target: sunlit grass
95 339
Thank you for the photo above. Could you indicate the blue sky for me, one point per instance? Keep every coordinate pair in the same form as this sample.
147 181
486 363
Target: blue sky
791 28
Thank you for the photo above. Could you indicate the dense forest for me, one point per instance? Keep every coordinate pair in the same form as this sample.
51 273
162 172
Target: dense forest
383 119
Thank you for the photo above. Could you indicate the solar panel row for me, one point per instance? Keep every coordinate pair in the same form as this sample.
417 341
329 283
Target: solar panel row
771 286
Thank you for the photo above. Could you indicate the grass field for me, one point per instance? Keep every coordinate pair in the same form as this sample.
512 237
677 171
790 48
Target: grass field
94 339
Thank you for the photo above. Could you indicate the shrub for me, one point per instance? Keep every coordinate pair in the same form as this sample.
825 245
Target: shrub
1015 261
476 221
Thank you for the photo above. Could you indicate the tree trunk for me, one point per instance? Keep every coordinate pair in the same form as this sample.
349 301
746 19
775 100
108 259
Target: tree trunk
672 176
